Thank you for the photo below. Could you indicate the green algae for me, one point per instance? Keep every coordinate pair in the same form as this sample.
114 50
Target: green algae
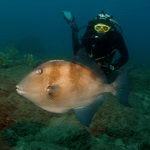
114 126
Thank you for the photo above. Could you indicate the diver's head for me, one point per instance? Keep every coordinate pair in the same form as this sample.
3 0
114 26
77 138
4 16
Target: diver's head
104 15
102 24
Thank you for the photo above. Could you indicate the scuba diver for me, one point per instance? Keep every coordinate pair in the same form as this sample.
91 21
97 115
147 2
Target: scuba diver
105 50
102 41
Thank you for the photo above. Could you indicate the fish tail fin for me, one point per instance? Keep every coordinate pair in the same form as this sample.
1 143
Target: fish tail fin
122 87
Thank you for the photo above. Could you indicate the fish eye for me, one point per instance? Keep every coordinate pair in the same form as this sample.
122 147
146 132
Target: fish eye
39 71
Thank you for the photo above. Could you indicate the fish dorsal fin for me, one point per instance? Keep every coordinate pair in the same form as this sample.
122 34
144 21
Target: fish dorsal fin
85 114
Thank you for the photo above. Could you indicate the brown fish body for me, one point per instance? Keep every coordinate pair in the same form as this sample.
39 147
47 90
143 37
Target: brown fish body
58 86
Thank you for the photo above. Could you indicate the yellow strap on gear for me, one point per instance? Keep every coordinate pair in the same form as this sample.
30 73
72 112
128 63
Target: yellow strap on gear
101 28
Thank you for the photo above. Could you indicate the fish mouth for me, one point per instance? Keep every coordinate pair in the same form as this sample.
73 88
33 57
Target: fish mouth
20 90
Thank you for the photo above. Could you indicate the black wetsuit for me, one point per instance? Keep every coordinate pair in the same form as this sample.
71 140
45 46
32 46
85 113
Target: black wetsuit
102 47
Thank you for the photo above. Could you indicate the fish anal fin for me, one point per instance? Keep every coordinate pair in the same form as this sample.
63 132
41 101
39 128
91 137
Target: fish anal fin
85 114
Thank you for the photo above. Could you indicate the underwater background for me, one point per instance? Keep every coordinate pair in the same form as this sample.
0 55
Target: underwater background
33 31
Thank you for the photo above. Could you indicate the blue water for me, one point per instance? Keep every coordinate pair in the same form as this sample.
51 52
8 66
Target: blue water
33 31
42 20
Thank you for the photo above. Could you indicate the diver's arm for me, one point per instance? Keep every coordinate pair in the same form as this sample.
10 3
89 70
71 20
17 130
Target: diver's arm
121 47
75 38
75 42
74 29
86 39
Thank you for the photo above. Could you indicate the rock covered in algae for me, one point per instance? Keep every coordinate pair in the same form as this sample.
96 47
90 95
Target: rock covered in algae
64 136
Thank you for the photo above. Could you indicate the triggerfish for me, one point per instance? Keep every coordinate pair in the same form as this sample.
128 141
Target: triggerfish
59 86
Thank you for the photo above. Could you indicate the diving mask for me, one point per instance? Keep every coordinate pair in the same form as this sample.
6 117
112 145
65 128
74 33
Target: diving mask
101 28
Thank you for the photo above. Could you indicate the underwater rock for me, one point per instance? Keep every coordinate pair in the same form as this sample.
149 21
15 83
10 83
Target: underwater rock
119 142
6 86
20 129
5 114
6 108
104 142
4 145
115 119
9 56
31 60
31 136
38 145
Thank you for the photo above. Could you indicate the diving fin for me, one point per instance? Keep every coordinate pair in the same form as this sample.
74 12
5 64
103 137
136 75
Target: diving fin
85 114
68 16
71 20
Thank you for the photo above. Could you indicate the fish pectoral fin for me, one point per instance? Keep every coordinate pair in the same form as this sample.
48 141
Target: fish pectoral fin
85 114
51 89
